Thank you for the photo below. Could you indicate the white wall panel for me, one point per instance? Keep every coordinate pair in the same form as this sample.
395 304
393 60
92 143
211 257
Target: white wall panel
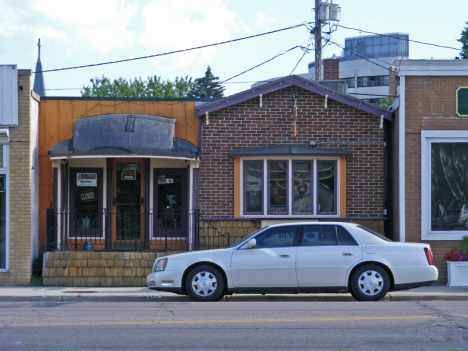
8 95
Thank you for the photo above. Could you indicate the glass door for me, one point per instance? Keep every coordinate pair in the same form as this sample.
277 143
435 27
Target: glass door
170 194
128 200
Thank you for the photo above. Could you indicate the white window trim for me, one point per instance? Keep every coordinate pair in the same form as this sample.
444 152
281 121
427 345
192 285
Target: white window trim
5 170
427 138
290 174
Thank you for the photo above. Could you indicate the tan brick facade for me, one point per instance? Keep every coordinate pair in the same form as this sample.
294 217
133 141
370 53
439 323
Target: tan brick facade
20 177
430 105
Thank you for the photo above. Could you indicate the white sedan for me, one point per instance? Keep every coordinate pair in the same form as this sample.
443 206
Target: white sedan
299 258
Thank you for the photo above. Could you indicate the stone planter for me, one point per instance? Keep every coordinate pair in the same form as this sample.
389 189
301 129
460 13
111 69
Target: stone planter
457 273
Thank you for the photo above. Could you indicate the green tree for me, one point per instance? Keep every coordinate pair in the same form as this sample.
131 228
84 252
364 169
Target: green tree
464 40
208 86
386 102
138 88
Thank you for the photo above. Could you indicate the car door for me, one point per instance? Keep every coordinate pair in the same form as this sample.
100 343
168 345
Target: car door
271 263
325 256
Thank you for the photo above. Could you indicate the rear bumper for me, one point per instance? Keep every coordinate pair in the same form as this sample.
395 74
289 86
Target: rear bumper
413 277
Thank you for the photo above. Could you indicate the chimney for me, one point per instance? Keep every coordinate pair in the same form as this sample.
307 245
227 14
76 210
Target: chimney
331 68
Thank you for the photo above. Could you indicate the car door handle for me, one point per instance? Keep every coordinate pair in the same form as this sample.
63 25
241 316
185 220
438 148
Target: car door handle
285 255
348 253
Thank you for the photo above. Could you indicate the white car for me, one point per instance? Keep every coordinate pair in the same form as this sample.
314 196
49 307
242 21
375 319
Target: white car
299 258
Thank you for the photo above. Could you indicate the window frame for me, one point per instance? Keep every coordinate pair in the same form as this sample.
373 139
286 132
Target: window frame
427 138
265 213
4 170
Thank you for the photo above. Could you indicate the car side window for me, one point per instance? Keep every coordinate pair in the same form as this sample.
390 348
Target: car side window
326 235
277 237
344 238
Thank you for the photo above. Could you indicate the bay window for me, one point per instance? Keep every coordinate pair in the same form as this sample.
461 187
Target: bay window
289 187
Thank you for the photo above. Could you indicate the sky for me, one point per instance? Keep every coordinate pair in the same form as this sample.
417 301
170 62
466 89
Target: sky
75 33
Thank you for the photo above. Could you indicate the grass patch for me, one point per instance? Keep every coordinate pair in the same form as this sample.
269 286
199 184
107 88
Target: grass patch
35 281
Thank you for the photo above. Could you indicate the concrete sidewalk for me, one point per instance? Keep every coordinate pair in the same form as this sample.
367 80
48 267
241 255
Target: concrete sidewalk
71 294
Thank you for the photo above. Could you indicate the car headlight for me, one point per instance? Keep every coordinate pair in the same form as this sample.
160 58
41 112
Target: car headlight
159 264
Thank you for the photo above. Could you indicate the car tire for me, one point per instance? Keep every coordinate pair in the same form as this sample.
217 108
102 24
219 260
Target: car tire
370 283
205 283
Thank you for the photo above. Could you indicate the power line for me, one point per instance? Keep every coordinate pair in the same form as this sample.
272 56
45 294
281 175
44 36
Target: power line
391 36
353 52
260 64
176 51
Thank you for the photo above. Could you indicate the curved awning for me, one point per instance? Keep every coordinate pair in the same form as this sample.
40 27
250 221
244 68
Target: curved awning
124 135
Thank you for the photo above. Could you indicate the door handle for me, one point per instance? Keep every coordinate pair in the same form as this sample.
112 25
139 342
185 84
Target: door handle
348 253
285 256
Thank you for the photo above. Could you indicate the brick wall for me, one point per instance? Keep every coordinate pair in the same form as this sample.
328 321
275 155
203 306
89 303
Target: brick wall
20 189
97 268
430 105
247 125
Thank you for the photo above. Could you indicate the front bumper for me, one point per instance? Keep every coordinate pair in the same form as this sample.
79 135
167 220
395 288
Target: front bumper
165 281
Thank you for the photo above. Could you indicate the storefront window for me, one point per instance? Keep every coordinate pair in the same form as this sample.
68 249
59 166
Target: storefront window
449 187
326 187
277 173
253 173
302 187
3 234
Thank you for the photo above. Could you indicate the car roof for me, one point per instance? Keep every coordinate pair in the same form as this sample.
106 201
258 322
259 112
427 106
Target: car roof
313 223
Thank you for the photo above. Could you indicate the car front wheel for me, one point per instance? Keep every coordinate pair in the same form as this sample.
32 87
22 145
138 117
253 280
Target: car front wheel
205 283
370 283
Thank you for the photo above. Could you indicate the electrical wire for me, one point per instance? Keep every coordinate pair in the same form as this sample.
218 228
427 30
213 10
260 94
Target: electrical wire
177 51
353 52
390 36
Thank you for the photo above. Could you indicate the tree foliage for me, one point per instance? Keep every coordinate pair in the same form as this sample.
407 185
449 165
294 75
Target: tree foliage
208 86
386 102
154 87
464 40
138 88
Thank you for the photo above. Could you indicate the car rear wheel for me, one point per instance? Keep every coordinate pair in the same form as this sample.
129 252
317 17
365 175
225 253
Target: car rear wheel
370 283
205 283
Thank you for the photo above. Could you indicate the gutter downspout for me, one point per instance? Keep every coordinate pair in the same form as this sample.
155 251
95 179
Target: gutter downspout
401 161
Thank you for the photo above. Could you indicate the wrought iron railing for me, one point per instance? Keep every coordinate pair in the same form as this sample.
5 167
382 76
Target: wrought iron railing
165 230
209 235
170 229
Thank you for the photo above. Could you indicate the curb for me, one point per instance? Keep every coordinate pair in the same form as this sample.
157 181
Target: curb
229 298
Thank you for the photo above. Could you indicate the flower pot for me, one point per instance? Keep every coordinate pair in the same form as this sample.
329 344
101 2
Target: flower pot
457 273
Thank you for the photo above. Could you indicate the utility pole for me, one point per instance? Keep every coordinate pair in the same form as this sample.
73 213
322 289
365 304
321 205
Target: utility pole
318 42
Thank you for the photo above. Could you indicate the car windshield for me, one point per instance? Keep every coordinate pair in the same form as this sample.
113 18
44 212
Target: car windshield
374 233
243 240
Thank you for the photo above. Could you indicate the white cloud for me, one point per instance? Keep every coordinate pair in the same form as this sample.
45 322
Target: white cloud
173 25
101 25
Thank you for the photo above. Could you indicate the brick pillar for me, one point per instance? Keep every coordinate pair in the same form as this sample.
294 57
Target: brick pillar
331 69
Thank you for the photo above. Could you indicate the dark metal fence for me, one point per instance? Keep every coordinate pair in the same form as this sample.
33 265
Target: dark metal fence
166 230
118 231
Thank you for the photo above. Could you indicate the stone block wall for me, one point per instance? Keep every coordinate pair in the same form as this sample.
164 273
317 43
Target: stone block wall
97 268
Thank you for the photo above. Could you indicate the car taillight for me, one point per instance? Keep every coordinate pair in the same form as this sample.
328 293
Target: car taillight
429 256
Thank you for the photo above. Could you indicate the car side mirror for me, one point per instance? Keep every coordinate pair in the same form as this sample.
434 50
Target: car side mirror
251 244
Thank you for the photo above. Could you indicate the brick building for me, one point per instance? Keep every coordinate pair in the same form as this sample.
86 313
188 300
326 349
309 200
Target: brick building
18 176
430 153
292 150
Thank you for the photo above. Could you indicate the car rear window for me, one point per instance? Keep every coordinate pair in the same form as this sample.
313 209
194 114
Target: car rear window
374 233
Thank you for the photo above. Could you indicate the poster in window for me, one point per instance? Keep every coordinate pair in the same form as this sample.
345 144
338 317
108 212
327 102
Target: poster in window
129 172
86 179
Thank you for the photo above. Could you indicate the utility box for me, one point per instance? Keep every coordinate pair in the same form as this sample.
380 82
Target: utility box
334 12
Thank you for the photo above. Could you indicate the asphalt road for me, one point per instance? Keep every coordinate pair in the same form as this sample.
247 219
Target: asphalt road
436 325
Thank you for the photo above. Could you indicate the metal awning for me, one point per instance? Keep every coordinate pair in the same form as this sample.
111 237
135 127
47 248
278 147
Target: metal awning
289 150
124 135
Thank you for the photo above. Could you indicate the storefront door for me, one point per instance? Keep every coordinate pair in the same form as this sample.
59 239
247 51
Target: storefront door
128 198
170 203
